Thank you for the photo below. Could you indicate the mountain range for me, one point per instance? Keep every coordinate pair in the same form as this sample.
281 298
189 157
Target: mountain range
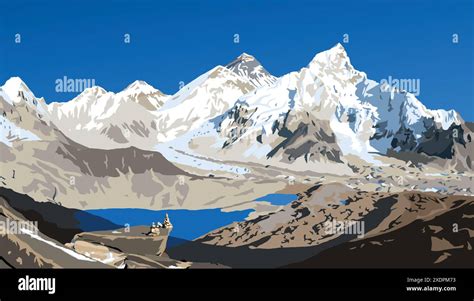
326 112
349 148
326 117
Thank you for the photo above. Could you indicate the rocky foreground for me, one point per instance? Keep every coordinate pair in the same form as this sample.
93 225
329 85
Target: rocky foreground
30 247
51 236
406 229
329 225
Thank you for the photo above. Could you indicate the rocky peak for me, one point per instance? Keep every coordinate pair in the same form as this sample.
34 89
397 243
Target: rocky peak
249 67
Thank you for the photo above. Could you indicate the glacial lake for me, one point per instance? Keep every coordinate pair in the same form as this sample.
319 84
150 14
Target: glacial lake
187 224
279 199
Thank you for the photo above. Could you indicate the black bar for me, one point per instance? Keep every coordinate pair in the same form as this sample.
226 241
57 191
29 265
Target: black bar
343 281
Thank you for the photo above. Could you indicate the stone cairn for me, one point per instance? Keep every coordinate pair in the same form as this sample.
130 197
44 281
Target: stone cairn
167 223
155 229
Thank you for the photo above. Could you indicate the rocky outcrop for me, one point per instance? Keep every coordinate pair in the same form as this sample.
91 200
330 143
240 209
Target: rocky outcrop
25 246
445 241
326 220
134 240
303 222
53 220
451 148
99 253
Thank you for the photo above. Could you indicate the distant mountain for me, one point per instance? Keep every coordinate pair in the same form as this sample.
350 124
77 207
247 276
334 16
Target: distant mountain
23 117
327 114
329 110
101 119
250 68
142 116
206 97
38 159
145 95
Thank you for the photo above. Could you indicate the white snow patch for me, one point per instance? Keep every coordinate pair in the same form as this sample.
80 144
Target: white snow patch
11 132
65 250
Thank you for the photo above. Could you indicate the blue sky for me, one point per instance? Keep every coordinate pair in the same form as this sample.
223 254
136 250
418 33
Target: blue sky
173 41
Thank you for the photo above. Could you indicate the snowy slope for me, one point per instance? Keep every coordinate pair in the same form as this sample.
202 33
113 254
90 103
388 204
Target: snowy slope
208 96
11 132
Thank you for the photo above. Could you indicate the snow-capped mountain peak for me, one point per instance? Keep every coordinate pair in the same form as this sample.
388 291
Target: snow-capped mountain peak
144 94
330 98
142 116
331 54
140 86
95 90
245 57
15 90
249 67
332 61
206 97
23 116
325 111
213 81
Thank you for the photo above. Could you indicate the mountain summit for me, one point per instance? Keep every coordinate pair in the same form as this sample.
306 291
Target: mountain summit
15 91
248 67
144 94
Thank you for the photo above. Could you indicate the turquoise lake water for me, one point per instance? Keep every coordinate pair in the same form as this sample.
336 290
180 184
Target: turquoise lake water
187 224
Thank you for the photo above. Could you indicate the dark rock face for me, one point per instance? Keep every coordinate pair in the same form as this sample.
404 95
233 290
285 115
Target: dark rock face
247 66
440 143
454 145
54 220
42 248
240 116
404 139
313 141
299 135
